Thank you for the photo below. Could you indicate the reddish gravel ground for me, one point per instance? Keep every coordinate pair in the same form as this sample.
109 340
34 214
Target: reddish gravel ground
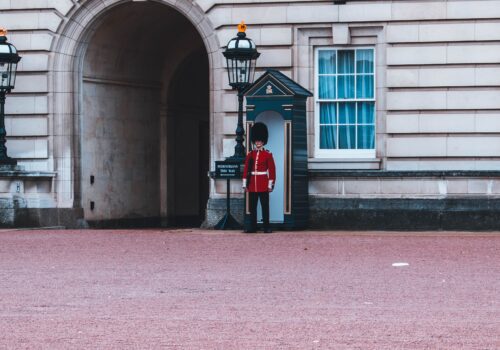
195 289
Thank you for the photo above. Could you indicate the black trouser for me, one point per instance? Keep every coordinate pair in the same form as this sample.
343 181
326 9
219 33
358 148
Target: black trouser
264 202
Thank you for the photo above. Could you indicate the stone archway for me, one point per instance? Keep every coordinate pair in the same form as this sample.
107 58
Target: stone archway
118 140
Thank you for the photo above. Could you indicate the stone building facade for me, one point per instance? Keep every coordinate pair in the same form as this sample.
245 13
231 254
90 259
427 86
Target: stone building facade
121 108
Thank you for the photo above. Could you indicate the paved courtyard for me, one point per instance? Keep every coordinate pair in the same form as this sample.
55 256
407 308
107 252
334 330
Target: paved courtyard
195 289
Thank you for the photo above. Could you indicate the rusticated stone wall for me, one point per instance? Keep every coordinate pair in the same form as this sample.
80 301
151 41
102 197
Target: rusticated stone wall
437 83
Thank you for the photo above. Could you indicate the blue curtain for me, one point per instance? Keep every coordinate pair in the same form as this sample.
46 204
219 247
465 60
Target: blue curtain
328 62
347 113
347 136
364 61
327 84
346 66
364 86
366 112
347 125
364 78
328 136
346 86
328 132
347 74
366 137
366 131
346 61
328 113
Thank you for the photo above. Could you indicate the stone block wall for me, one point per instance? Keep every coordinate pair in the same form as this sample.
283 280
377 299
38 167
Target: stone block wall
437 85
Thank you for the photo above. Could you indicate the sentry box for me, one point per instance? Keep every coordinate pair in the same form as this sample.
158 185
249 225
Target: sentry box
280 103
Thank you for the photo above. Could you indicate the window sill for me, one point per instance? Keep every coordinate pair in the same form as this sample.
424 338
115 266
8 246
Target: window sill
344 164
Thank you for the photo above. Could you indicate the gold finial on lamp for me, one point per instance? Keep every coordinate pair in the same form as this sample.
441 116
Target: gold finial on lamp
242 27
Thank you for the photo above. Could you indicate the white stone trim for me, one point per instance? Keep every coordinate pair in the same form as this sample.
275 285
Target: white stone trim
307 39
344 164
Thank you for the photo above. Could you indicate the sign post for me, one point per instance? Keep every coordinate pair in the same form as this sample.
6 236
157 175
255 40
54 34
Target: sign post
227 170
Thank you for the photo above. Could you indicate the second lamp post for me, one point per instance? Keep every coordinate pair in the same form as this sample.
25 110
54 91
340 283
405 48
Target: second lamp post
8 66
241 55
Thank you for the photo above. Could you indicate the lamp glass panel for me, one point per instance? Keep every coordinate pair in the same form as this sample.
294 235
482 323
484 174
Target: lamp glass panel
229 70
237 72
252 70
242 71
244 44
248 62
13 71
4 75
233 70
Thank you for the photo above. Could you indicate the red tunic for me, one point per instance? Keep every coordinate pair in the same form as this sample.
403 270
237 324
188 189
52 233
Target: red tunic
263 172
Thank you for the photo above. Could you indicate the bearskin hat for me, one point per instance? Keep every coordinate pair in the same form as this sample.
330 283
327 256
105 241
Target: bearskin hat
259 132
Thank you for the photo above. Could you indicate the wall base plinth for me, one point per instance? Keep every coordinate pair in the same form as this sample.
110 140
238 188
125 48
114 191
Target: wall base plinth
13 216
460 214
409 214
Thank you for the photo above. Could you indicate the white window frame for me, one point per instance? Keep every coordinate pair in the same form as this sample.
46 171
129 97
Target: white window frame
342 153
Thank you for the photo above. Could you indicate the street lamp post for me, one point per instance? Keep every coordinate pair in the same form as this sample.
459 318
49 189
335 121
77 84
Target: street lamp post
241 55
8 67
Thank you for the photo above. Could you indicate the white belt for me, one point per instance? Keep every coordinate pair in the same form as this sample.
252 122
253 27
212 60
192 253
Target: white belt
259 173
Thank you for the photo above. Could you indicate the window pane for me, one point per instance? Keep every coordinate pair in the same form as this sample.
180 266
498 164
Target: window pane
346 76
347 137
328 113
347 113
366 113
327 87
366 137
346 86
328 137
364 86
364 61
346 61
327 62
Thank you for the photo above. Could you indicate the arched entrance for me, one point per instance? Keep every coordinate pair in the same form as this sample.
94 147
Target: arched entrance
144 119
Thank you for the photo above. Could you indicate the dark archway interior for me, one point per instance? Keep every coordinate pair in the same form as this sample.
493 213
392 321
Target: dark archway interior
144 119
189 147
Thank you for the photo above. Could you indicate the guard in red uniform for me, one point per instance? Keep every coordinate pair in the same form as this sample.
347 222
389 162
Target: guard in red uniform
259 177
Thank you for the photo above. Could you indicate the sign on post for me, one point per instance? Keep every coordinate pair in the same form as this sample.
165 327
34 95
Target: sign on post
227 170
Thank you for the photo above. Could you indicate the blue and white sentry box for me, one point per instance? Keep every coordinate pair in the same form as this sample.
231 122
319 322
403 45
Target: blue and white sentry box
280 103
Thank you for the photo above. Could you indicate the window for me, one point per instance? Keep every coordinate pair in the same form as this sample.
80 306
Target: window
345 102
